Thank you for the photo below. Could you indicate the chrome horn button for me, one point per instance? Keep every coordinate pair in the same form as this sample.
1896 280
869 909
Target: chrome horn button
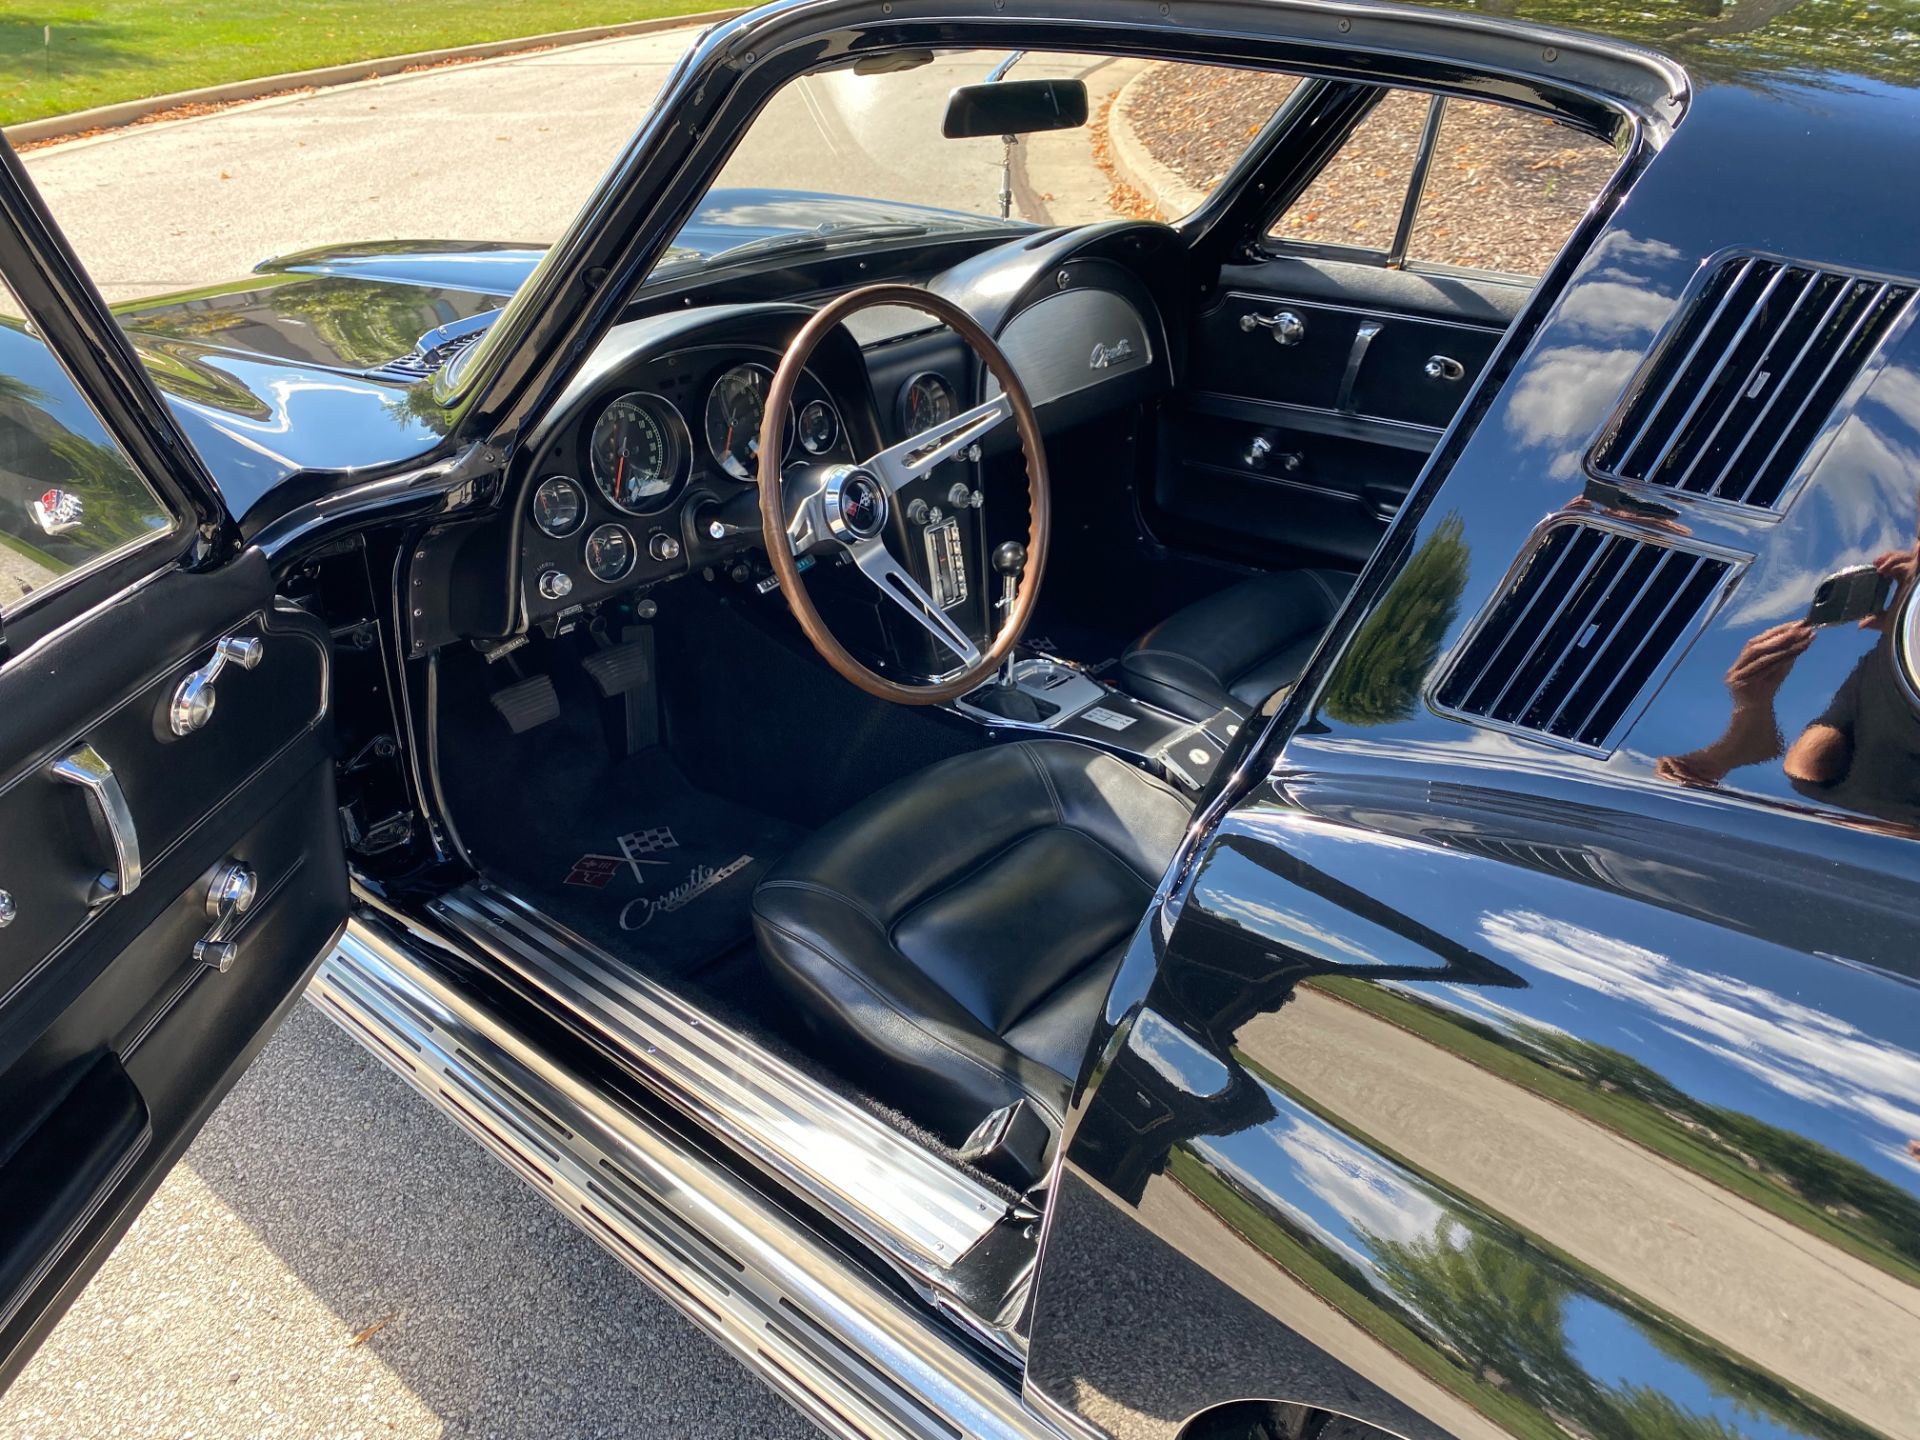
856 504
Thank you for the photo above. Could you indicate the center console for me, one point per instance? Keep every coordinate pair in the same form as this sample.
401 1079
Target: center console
1040 694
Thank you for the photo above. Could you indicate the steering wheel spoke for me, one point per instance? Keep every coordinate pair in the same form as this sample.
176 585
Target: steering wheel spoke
910 459
892 580
848 509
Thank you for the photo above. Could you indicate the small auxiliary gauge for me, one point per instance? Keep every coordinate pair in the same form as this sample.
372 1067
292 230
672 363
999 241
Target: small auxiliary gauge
609 553
559 505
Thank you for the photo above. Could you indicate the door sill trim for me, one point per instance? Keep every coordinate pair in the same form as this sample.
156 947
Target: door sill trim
854 1357
911 1204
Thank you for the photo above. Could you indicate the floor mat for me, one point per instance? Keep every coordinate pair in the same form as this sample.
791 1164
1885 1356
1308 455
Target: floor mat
628 853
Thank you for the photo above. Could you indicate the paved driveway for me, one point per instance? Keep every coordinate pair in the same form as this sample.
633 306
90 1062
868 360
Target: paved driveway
504 149
333 1258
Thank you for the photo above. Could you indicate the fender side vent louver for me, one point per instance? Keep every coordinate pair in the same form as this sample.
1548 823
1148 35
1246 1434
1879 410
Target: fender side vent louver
1589 623
419 364
1742 386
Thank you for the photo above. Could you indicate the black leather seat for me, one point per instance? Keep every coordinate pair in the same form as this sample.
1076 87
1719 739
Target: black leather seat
1235 649
949 941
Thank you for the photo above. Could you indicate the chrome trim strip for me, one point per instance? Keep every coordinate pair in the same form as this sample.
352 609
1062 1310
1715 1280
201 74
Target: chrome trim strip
849 1354
909 1202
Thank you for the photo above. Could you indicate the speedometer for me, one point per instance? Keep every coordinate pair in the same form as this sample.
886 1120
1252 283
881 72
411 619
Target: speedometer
736 408
639 452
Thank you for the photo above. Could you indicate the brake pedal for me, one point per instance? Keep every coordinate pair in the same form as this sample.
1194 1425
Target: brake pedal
620 668
527 704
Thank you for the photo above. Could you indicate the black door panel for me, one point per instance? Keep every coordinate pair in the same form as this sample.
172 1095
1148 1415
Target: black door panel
1314 391
115 1039
1280 488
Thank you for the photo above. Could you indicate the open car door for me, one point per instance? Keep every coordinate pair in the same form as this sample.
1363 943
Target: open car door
170 861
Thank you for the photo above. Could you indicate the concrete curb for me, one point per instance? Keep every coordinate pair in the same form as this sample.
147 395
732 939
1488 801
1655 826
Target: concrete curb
1134 166
105 117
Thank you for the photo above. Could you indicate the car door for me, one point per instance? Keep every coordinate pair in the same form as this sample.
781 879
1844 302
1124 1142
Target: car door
1346 329
170 867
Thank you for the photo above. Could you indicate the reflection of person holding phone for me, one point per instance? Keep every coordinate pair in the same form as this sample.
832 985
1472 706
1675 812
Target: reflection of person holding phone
1863 752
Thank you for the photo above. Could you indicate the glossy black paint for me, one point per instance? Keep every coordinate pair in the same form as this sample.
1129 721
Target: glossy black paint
291 371
1489 1087
1464 1084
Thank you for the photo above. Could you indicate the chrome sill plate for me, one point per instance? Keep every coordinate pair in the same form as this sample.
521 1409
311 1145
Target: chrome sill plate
849 1354
910 1203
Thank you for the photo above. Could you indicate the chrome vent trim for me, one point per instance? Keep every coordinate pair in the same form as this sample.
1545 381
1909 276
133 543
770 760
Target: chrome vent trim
734 1263
434 350
1586 627
1731 402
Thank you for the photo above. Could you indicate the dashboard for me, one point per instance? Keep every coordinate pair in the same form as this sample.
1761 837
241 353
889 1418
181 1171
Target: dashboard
646 469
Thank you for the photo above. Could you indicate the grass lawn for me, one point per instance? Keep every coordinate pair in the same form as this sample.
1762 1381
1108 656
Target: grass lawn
128 49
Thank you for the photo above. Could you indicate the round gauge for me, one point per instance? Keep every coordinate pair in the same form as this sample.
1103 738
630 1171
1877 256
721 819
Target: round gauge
925 401
559 506
638 452
609 553
819 427
735 409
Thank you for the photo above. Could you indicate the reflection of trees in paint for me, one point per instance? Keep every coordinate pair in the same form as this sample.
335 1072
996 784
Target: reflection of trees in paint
38 453
1729 37
364 325
1501 1308
1379 677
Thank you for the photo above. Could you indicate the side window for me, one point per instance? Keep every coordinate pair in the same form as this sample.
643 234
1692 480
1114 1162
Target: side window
68 495
1498 189
1505 189
1357 198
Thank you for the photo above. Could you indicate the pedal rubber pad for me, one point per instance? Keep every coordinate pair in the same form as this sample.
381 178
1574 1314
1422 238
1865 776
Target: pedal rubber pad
619 668
527 704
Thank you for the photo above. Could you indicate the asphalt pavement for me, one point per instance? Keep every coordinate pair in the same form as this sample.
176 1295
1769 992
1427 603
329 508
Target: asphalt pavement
333 1258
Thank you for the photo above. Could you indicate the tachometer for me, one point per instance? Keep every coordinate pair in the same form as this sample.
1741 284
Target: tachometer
735 409
639 453
925 401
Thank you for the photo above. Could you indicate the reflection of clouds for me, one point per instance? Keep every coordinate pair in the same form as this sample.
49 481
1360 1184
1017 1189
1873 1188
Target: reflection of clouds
1290 926
1564 394
1866 485
1615 310
1356 1184
1623 248
1357 1191
1801 1052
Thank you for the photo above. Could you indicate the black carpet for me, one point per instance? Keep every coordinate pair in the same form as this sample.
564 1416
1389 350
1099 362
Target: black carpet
627 853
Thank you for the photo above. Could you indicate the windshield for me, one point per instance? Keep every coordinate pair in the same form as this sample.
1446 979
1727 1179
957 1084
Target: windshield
846 157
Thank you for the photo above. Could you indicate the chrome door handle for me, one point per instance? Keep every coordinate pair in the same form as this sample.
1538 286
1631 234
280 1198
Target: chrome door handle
193 701
1444 367
86 768
229 897
1287 327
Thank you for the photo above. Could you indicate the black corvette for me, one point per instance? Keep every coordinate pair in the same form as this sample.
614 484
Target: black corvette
1226 828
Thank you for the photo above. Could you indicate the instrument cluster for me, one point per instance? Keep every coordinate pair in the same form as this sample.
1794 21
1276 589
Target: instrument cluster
616 492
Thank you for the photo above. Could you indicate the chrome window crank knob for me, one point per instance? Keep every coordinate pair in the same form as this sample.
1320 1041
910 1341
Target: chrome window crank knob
1287 328
229 897
194 699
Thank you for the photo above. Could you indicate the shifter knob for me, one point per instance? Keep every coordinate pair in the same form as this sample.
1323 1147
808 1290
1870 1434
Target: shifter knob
1010 557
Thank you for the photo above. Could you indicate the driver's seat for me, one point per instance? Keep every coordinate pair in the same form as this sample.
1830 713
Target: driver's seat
948 942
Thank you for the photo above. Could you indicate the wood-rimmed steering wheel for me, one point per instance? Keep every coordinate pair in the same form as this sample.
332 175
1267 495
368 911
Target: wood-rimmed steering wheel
845 509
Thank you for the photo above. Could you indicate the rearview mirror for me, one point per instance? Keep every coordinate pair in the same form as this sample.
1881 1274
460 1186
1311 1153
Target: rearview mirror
1015 107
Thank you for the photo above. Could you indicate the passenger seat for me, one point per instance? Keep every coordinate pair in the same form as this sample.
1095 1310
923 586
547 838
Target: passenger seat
1233 650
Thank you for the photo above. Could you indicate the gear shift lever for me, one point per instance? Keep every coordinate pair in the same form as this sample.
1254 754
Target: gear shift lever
1009 560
